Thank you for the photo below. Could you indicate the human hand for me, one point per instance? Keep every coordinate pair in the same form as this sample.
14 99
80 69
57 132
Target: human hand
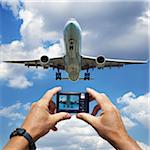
109 124
42 117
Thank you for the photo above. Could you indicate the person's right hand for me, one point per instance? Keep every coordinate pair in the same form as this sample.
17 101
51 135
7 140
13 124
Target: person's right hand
109 124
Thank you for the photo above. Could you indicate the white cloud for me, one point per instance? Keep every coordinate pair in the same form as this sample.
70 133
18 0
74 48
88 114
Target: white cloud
128 122
119 33
21 82
15 75
27 106
32 30
75 134
145 19
144 146
30 47
15 112
11 112
12 4
136 107
110 25
11 73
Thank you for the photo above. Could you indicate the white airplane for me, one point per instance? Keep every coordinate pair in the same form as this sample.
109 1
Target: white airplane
73 62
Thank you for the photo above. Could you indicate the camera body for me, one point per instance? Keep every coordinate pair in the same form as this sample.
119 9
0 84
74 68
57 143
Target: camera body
72 102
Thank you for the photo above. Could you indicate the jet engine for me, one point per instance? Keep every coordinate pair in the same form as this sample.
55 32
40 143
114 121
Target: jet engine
100 60
44 60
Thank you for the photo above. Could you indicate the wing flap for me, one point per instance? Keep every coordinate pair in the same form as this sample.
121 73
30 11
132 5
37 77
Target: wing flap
53 63
90 62
22 61
125 61
26 62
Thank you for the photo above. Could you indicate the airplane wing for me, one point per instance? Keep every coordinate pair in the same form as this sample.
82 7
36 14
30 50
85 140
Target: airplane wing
51 63
90 62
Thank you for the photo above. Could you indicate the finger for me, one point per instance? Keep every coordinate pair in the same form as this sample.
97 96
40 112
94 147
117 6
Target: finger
101 99
48 95
52 107
95 110
91 98
54 128
33 105
87 118
60 116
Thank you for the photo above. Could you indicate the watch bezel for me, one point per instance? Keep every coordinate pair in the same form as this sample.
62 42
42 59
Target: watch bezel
20 131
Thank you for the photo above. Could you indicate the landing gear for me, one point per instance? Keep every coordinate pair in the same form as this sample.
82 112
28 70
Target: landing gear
87 75
58 75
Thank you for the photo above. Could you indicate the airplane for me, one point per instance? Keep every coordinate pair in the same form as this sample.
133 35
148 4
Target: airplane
73 62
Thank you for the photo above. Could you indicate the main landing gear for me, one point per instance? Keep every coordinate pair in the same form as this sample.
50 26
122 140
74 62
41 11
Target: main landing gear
58 75
87 75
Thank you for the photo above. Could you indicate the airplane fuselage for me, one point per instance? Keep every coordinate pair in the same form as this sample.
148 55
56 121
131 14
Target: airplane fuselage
72 41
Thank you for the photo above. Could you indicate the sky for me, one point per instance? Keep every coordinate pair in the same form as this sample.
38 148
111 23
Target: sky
115 29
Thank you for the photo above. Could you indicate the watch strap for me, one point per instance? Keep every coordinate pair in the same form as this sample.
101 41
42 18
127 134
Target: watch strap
26 135
30 140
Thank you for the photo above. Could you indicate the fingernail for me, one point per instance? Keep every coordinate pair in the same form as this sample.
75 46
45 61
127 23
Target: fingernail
87 89
78 115
68 115
59 87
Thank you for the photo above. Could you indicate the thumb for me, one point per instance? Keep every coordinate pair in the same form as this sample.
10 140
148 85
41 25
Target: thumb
87 118
61 116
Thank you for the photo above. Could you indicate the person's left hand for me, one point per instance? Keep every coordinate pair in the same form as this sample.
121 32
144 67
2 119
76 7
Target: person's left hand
42 117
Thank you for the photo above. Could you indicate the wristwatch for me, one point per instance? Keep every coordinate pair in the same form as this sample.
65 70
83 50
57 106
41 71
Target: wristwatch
27 136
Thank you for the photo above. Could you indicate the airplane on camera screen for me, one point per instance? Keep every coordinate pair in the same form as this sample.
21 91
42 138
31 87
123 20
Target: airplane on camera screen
73 62
68 102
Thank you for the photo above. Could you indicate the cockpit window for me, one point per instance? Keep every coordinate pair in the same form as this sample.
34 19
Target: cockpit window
71 44
71 41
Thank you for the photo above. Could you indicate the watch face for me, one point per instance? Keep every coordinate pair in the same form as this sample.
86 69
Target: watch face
20 131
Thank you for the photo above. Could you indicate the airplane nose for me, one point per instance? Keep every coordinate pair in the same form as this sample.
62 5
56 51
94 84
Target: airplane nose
72 24
73 76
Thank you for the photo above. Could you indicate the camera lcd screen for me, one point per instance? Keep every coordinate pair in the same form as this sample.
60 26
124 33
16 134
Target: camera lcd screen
72 102
69 102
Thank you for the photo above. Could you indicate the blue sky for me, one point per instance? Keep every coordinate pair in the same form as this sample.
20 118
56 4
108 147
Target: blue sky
19 86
